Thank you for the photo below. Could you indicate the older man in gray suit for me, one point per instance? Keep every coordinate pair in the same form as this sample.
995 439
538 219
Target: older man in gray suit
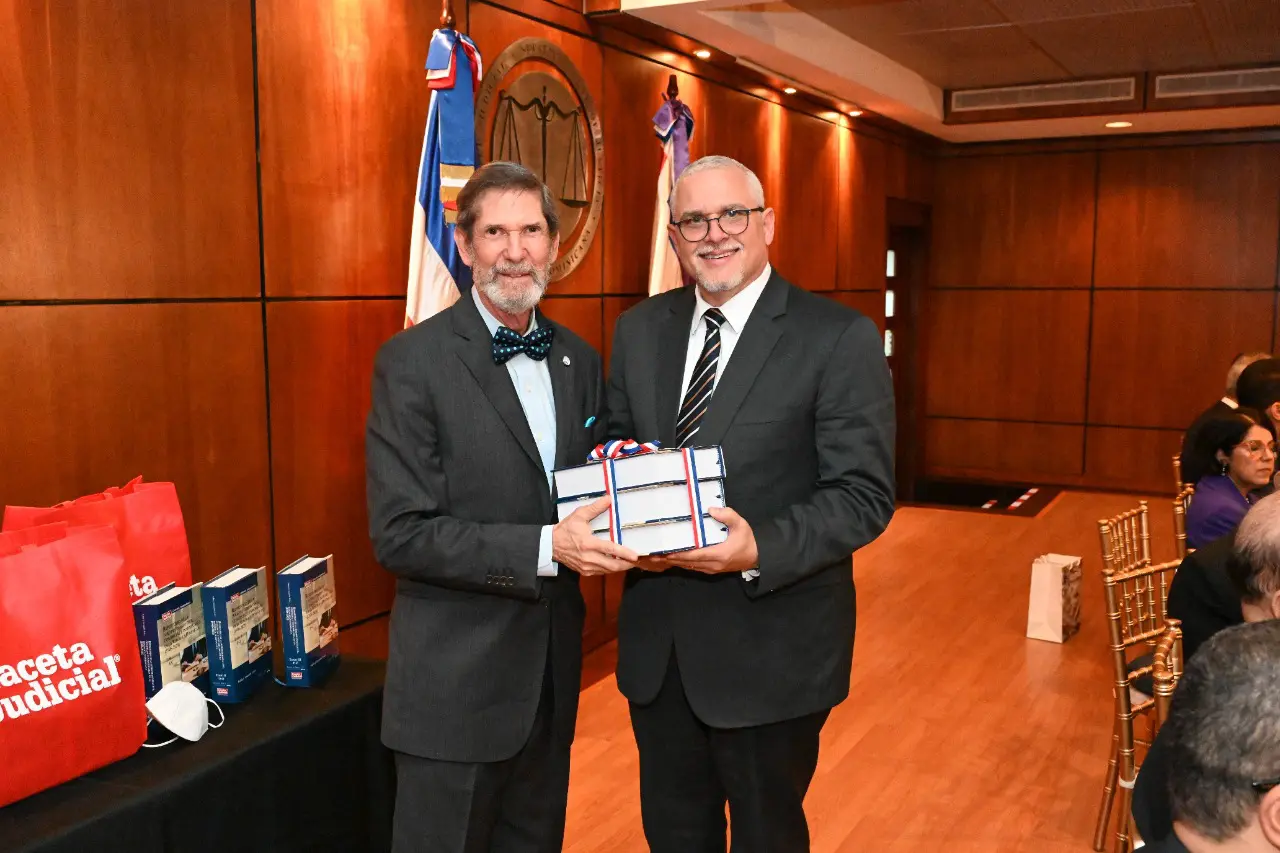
472 410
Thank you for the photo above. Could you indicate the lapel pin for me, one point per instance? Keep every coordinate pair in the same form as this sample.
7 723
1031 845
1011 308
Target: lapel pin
566 361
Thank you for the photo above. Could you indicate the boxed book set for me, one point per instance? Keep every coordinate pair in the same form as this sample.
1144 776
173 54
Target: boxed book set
660 498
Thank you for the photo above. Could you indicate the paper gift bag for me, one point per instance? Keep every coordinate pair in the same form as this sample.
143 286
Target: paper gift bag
1054 611
71 693
147 519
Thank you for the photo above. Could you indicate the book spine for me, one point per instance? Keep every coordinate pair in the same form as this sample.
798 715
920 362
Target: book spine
222 680
295 644
144 624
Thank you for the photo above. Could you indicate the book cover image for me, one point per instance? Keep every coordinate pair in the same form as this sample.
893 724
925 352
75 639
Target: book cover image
248 616
237 615
171 637
308 605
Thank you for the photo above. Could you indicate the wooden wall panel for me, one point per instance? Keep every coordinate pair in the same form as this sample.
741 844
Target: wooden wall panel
174 392
343 105
869 302
1016 221
1024 349
613 308
366 640
581 314
806 203
633 88
117 182
862 225
1204 216
997 449
493 30
1134 459
1159 357
745 128
321 363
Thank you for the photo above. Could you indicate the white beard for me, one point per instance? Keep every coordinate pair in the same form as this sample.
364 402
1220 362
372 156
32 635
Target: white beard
507 299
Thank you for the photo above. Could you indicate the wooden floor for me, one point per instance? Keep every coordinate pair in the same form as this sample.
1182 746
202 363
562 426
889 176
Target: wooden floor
959 733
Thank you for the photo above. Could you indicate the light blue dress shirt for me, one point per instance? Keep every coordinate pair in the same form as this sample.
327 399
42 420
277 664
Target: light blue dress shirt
532 380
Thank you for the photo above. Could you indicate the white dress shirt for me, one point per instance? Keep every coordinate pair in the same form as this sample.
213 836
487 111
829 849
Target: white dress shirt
736 313
532 380
1232 403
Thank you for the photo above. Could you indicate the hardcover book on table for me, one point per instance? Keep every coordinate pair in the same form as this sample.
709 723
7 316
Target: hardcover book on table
171 637
308 601
238 633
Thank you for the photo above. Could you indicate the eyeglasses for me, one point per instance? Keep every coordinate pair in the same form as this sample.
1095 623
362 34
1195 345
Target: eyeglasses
1265 785
1256 447
732 222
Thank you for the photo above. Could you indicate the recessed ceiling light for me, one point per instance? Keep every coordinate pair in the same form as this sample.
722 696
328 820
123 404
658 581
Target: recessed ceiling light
1119 124
790 90
855 112
702 54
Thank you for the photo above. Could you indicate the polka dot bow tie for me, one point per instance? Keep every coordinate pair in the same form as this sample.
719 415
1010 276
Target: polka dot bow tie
536 344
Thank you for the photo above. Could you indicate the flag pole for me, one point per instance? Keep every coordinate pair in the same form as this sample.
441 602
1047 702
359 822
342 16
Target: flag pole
446 14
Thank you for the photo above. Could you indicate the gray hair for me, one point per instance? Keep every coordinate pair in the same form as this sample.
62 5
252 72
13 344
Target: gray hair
718 161
1224 730
1238 364
503 176
1254 564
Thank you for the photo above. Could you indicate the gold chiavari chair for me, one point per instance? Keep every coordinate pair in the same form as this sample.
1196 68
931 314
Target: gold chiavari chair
1178 485
1181 504
1136 617
1136 592
1166 668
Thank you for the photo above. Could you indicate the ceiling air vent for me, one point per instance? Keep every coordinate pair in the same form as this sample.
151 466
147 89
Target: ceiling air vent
1245 82
1044 95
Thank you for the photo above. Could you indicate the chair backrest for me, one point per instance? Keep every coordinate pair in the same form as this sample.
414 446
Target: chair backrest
1181 504
1126 540
1166 668
1178 485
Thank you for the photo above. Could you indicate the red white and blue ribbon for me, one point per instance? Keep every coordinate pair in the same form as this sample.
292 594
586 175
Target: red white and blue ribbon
621 447
695 496
611 451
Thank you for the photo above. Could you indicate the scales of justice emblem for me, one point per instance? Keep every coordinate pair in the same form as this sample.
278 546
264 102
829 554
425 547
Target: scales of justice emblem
534 108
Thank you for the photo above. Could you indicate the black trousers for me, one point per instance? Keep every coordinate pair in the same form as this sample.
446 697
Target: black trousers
512 806
688 770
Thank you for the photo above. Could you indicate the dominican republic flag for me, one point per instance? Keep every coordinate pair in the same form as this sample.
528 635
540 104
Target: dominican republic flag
673 125
437 275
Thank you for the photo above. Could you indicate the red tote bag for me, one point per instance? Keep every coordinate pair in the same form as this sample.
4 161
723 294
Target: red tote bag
147 519
71 691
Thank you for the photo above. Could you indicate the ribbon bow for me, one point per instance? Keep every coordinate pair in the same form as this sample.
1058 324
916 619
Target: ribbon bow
507 344
620 447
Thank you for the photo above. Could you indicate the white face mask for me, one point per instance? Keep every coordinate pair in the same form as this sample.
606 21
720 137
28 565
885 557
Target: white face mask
181 708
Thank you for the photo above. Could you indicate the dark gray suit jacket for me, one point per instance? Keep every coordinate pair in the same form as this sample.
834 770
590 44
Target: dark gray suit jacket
804 413
457 499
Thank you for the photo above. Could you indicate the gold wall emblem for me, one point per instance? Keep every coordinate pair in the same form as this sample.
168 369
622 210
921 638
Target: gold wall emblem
534 108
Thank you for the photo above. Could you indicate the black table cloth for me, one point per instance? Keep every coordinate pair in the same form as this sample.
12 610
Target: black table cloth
292 770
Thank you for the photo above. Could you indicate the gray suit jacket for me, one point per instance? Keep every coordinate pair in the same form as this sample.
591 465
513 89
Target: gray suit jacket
457 499
804 413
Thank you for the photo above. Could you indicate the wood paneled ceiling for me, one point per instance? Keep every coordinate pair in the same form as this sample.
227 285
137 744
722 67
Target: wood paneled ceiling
959 44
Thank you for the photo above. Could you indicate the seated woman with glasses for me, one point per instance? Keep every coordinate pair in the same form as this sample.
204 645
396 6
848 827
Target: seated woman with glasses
1234 456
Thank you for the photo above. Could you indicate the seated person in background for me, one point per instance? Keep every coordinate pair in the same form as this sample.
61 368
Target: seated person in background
1225 406
1234 456
1201 595
1223 743
1251 569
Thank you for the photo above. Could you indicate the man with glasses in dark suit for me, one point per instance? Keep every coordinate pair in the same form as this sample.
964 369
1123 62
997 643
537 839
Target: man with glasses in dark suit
733 655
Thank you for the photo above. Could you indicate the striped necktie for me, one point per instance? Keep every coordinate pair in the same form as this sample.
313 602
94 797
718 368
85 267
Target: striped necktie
701 383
